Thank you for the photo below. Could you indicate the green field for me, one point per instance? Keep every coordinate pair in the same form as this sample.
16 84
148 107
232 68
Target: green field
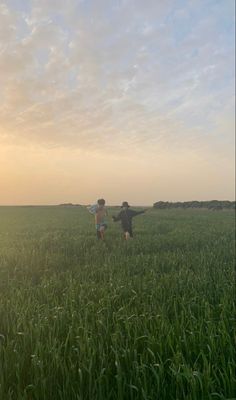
151 318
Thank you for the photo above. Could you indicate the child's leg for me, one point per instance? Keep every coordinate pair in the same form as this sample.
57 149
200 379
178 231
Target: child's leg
98 234
102 231
97 227
127 235
102 234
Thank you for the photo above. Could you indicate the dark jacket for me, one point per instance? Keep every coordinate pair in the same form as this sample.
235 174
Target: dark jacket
125 216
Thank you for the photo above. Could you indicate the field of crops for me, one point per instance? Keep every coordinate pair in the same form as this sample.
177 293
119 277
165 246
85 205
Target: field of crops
82 319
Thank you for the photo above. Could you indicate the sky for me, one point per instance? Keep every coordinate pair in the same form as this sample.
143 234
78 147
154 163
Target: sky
125 99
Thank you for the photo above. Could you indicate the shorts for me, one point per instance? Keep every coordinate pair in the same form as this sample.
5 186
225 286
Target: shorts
100 227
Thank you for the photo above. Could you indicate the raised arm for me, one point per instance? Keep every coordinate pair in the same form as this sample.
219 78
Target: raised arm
135 213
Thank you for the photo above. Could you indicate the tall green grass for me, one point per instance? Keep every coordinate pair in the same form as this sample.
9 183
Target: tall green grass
151 318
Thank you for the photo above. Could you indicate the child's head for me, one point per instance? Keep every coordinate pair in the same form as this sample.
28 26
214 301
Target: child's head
125 204
101 202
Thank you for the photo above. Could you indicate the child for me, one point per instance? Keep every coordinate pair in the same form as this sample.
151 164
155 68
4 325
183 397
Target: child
125 216
100 213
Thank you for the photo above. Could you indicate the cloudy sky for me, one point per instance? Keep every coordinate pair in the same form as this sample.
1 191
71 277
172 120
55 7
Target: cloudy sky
124 99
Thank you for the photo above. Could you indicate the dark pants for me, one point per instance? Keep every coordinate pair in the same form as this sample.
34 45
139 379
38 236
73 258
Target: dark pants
128 229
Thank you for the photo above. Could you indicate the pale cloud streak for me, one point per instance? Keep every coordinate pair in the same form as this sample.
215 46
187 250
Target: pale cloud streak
106 72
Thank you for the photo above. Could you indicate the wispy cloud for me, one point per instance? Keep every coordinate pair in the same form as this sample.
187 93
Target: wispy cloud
118 75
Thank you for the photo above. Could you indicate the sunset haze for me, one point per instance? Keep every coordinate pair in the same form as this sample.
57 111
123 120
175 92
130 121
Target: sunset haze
126 100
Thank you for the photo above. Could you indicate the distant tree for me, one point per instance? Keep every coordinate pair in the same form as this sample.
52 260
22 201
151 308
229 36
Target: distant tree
215 205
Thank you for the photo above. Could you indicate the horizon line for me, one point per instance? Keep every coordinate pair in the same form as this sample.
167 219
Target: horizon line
68 204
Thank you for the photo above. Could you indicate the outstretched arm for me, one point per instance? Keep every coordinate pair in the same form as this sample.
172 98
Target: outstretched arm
135 213
92 209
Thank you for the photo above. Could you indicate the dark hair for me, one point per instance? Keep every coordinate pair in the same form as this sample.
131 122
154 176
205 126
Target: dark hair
101 202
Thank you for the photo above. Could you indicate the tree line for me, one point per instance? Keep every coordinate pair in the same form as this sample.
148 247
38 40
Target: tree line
215 205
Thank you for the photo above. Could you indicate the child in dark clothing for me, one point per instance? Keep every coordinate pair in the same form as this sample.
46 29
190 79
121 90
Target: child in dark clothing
125 216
